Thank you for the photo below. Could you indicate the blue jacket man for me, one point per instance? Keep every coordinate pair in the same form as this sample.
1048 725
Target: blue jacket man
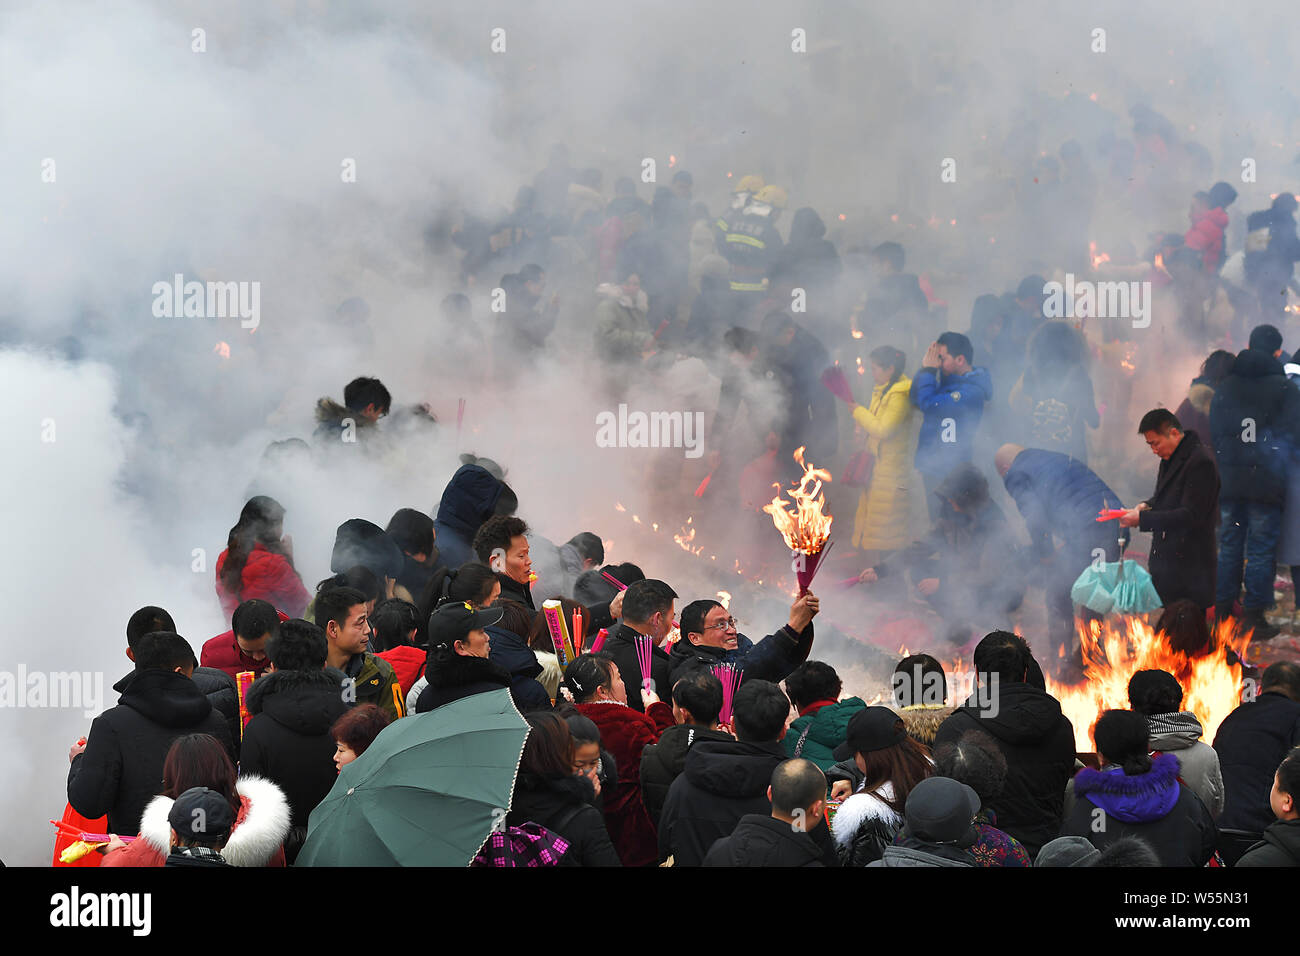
950 392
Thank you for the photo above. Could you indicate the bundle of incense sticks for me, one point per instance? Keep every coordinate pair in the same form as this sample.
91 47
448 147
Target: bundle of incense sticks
559 629
613 580
730 675
598 641
644 657
243 681
579 630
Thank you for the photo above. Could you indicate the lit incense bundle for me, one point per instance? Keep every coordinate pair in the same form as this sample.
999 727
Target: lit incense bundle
807 529
243 681
559 629
645 657
579 629
730 675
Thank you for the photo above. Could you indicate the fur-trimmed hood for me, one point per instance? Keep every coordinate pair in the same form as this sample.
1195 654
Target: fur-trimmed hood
259 830
922 721
861 808
1144 798
1199 396
330 412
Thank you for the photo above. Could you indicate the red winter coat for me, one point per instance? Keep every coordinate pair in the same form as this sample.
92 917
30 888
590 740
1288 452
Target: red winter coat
408 665
223 653
268 576
625 732
1206 237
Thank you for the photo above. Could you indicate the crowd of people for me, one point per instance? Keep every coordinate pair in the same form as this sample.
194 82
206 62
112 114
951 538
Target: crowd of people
635 761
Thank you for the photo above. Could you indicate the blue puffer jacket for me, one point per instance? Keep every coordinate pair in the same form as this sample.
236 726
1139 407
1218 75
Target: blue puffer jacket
959 397
1061 495
469 499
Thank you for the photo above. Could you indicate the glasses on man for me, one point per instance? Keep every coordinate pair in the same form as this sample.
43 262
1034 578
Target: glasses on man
722 625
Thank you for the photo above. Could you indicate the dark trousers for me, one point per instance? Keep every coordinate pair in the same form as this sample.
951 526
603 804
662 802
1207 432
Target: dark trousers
1248 532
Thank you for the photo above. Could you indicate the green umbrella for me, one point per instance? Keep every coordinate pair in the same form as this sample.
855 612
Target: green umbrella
427 792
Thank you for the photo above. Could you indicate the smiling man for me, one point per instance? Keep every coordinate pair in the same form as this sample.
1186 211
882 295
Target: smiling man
710 638
1181 514
342 613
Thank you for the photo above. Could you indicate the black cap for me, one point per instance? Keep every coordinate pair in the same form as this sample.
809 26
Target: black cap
201 814
940 810
453 621
872 728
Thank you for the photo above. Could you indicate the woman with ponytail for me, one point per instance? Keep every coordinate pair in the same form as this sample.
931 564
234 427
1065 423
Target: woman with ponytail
594 684
1137 795
258 561
882 523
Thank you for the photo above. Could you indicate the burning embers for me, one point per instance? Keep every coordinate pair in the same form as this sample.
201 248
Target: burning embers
807 529
1116 649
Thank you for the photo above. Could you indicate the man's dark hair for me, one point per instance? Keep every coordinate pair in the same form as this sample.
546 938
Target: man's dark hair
1155 692
359 577
333 604
741 341
759 711
644 599
163 650
693 615
254 618
910 682
700 692
812 681
1288 774
796 785
411 530
1284 676
497 532
975 760
1265 338
1004 654
1159 420
589 546
299 646
391 624
145 621
1031 287
361 392
891 253
957 345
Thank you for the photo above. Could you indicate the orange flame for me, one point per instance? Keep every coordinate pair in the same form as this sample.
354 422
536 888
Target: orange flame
1114 650
222 349
686 537
1097 258
724 598
808 526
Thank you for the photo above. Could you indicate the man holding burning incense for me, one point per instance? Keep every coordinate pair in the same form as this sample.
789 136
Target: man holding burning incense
710 638
1182 513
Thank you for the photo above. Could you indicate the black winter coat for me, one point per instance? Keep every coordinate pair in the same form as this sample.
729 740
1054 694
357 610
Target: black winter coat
760 840
512 590
288 739
1280 846
1038 741
509 650
1251 742
456 676
1113 805
121 769
1182 514
663 762
771 659
563 805
621 645
723 781
219 688
1252 460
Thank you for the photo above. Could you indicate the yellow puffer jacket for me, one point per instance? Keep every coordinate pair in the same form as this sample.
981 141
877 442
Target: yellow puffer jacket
883 519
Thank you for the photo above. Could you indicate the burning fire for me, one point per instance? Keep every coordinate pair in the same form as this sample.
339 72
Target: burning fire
686 537
1096 257
724 598
222 349
1114 650
808 526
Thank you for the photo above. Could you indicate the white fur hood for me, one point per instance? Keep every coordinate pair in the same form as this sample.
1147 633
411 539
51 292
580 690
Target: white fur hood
251 842
860 808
